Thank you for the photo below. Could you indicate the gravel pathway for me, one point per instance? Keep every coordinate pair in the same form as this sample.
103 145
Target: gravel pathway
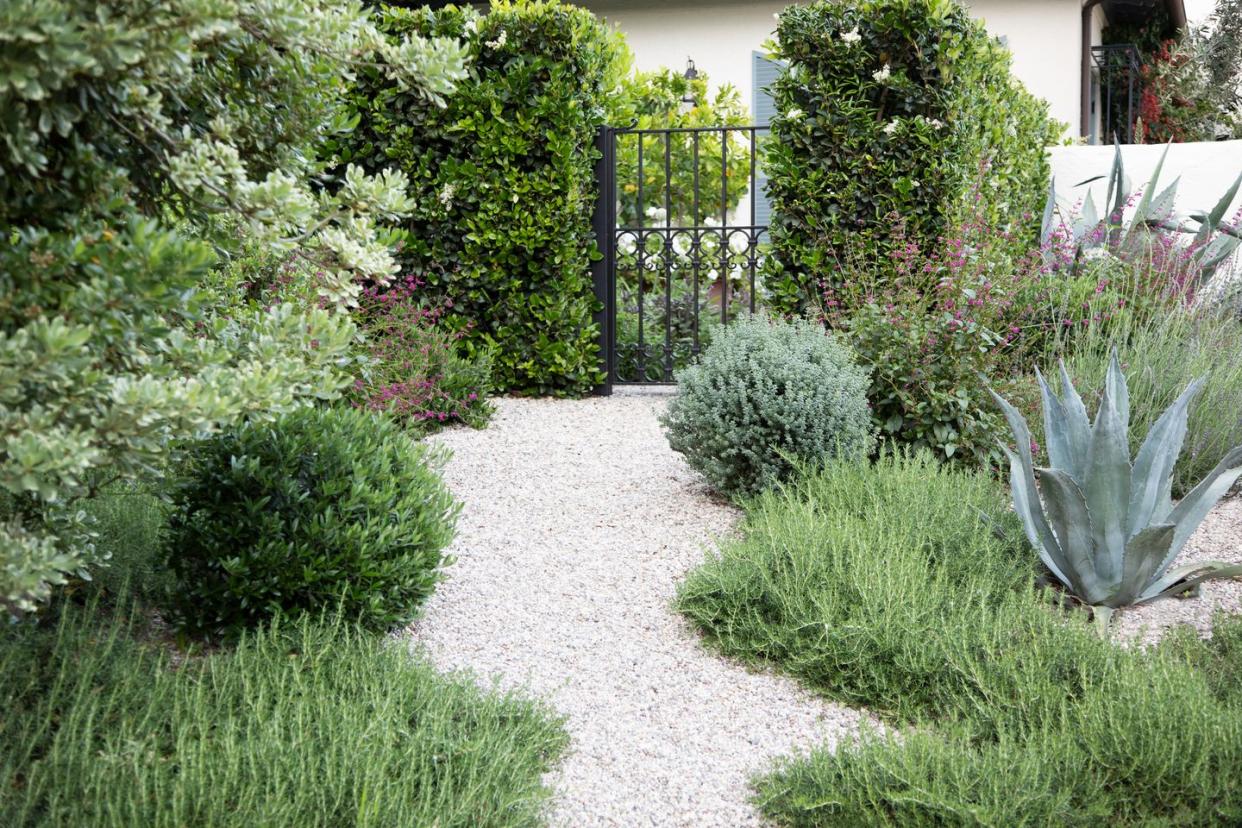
1218 538
578 524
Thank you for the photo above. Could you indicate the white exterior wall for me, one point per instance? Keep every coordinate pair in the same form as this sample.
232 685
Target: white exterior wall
1045 37
721 35
1206 170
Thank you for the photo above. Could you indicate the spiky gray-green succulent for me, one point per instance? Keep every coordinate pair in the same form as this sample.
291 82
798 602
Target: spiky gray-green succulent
1105 527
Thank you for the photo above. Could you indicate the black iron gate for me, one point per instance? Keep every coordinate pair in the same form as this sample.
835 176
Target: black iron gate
682 227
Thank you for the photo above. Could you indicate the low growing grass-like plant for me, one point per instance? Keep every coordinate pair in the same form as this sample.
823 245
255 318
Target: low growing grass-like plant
881 586
308 723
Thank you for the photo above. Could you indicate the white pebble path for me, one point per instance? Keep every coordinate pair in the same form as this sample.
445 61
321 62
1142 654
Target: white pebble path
578 524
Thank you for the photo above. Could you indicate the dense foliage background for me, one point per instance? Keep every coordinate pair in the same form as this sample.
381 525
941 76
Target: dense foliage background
888 113
131 132
503 182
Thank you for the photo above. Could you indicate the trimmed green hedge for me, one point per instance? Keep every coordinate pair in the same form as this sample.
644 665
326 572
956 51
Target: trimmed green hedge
892 112
504 182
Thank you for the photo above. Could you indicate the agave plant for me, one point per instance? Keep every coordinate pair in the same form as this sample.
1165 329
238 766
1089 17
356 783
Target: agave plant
1215 239
1105 527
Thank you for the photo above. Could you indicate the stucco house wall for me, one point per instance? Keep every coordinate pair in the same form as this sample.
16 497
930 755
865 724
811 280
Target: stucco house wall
721 35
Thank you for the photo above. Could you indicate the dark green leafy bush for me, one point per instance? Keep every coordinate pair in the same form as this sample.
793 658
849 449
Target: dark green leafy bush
888 112
766 395
306 723
503 180
321 508
881 586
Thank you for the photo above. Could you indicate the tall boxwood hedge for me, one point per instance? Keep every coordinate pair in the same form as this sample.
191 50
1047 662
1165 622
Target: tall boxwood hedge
503 177
892 111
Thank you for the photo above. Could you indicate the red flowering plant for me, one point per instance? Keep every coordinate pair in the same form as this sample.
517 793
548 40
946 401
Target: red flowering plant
412 367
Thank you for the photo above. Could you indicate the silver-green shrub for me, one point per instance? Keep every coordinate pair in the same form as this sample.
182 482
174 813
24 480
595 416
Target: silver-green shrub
766 394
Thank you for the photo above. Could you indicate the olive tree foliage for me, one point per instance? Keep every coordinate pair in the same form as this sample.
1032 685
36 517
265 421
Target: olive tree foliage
128 130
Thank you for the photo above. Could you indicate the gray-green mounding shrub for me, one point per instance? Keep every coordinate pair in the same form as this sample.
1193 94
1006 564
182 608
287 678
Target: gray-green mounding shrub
893 113
305 723
766 394
318 509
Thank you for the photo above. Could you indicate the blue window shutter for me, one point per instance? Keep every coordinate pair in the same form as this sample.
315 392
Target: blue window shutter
764 73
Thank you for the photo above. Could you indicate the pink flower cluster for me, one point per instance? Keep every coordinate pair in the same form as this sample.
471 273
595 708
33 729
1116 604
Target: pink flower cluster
415 372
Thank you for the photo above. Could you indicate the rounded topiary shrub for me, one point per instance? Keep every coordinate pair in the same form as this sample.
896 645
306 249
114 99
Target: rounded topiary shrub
766 394
321 508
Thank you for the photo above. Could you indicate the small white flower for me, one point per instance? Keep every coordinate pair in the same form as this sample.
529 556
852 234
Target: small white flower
656 214
446 194
916 184
890 127
626 245
852 36
472 25
681 245
739 243
794 114
881 75
711 221
500 41
936 123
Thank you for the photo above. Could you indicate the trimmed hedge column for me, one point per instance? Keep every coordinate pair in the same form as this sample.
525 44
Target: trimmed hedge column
504 182
892 112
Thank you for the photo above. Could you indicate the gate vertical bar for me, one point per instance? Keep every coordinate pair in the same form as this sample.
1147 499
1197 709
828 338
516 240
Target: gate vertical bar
603 270
696 247
668 258
752 235
724 225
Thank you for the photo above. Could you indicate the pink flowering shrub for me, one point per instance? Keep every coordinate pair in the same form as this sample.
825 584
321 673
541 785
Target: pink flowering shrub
938 325
413 369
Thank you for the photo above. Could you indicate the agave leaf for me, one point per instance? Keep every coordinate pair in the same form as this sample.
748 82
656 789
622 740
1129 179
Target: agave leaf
1144 553
1108 476
1139 219
1116 387
1090 180
1152 481
1077 424
1193 508
1066 508
1213 218
1116 186
1045 227
1026 495
1026 504
1057 430
1216 251
1162 205
1090 212
1190 576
